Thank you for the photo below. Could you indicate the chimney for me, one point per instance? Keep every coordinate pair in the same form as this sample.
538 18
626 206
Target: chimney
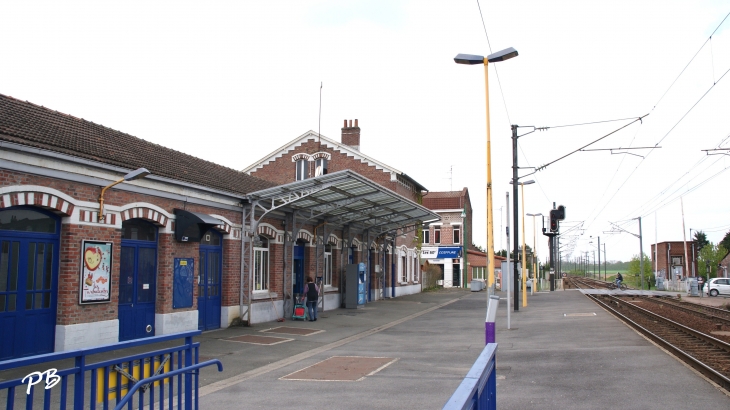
351 135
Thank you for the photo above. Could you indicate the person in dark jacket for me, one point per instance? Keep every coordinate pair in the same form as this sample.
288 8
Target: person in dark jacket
619 279
312 291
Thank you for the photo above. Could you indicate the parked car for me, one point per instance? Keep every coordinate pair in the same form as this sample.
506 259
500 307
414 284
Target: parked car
717 286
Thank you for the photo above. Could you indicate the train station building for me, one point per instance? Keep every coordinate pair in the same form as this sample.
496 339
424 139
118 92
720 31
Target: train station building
106 237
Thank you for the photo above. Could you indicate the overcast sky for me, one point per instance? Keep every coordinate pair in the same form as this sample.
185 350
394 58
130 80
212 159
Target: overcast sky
231 81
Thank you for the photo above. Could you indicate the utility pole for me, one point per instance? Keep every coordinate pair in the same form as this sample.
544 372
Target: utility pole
641 256
515 229
599 258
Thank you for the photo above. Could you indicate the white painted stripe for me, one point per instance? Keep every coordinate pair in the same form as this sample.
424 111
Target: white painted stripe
31 198
6 201
21 198
64 207
54 201
46 199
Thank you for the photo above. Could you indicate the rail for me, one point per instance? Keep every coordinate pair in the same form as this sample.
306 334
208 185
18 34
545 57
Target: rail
80 384
478 390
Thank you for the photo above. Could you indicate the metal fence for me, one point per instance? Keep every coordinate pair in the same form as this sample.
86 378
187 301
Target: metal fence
478 390
167 377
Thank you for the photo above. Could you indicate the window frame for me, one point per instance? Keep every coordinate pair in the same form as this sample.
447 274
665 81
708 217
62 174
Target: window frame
437 235
327 276
427 236
300 173
456 235
261 278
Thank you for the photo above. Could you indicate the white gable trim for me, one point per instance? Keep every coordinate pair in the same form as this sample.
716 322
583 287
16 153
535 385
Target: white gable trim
329 143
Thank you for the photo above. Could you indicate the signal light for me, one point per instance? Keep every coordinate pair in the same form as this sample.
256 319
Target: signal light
553 222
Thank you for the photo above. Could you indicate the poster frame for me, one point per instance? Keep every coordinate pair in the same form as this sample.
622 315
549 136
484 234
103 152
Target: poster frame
108 248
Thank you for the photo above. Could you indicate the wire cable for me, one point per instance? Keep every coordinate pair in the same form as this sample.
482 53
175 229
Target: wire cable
499 82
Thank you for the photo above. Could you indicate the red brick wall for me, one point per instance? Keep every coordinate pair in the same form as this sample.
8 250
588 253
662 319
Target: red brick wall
69 310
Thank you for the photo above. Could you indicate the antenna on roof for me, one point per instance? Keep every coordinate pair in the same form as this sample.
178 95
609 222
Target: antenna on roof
319 126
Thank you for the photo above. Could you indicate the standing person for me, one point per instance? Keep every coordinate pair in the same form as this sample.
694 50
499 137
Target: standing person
312 291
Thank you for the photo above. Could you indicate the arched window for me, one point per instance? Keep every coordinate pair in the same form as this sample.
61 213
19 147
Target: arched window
301 169
139 230
26 220
320 165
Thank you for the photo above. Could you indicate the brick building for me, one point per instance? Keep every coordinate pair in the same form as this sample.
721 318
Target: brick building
668 259
87 258
392 257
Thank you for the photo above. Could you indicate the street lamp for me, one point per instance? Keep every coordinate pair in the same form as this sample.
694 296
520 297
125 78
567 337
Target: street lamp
524 277
136 174
534 244
471 59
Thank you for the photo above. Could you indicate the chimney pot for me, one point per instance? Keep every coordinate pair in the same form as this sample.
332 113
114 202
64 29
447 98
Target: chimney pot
356 122
345 124
350 123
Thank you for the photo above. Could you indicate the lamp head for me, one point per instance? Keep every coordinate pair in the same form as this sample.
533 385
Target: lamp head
469 59
502 55
463 214
136 174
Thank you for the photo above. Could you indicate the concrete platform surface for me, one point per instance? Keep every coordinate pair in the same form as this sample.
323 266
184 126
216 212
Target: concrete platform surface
562 352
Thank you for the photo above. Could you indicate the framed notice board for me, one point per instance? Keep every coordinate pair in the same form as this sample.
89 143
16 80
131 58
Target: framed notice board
182 283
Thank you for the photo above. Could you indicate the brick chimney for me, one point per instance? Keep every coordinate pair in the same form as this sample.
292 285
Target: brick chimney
351 135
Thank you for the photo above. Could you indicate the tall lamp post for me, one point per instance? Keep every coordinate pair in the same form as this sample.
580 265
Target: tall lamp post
534 244
471 59
524 260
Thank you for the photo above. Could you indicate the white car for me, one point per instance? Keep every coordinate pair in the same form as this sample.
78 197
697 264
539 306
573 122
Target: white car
717 286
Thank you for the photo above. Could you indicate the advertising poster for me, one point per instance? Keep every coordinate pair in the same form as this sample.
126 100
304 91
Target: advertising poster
96 268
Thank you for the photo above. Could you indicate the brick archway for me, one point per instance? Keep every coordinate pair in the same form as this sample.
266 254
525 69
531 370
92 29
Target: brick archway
148 214
43 200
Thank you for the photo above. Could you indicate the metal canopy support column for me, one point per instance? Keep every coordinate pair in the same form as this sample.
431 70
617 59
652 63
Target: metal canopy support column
246 258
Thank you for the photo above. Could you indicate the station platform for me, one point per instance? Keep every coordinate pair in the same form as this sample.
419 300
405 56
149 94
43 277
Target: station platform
562 351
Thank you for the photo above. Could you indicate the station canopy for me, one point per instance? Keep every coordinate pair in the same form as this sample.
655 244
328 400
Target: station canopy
342 198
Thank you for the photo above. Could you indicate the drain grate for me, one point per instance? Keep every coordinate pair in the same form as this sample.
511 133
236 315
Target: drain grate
288 330
258 340
342 369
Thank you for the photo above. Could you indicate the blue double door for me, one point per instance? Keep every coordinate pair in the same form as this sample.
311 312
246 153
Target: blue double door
209 282
137 280
28 282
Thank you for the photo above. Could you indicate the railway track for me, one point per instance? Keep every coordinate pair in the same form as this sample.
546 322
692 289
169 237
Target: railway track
706 354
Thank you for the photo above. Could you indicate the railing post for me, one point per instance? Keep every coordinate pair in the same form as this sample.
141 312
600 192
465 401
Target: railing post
79 380
188 374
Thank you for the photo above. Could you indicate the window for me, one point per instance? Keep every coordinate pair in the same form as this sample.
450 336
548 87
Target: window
301 169
677 261
416 269
457 234
138 230
478 272
437 235
320 167
26 220
261 266
426 235
328 265
402 267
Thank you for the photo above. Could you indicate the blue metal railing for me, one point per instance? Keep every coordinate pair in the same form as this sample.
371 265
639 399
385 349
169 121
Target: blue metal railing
91 385
478 390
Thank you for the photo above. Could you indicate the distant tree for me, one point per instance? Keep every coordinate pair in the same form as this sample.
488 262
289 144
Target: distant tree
725 242
710 256
635 268
701 239
502 253
477 247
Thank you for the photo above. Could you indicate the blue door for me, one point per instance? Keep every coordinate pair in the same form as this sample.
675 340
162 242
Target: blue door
137 280
209 281
299 269
28 281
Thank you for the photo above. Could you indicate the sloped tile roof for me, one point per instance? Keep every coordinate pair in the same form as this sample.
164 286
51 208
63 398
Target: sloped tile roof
32 125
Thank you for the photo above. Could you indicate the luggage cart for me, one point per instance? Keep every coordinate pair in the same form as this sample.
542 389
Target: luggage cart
300 310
